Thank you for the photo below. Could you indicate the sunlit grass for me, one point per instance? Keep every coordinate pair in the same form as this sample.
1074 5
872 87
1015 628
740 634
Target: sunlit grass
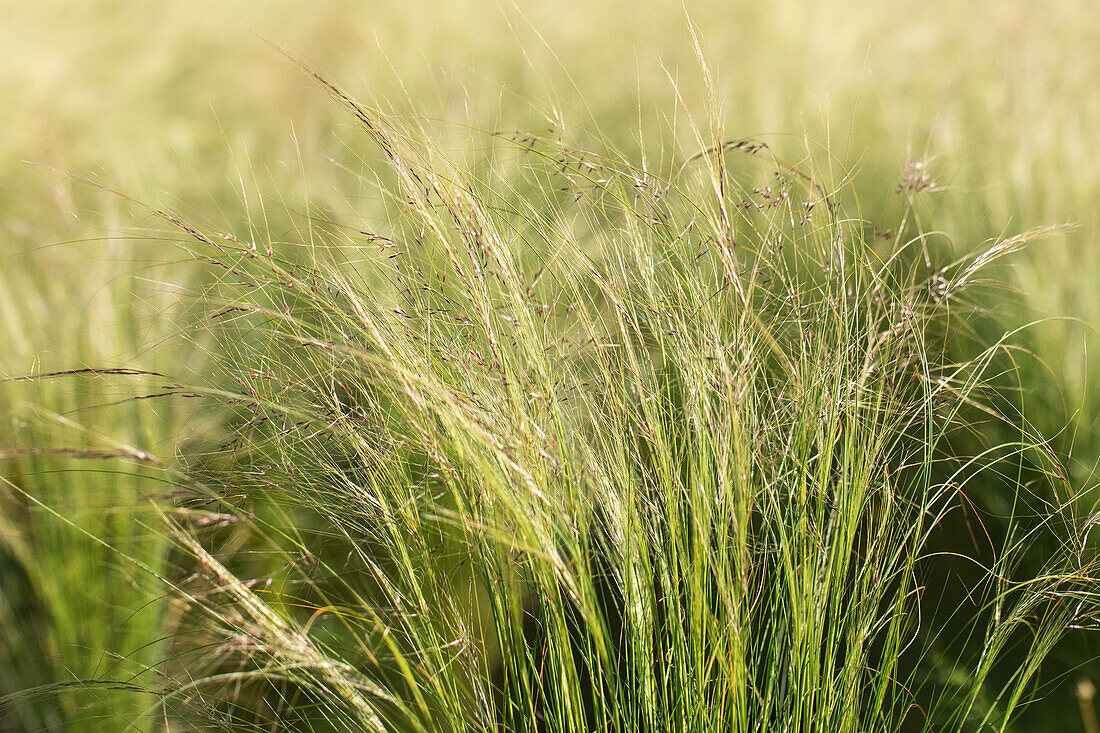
597 397
571 444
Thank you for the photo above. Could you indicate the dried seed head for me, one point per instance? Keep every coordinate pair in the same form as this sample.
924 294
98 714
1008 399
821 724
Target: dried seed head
915 178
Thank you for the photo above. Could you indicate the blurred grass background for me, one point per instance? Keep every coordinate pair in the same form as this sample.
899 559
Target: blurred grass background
182 106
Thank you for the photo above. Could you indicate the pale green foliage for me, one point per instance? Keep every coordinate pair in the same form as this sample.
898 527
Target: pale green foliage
595 447
607 405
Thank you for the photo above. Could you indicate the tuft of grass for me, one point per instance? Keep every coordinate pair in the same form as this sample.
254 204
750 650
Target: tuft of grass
995 108
571 443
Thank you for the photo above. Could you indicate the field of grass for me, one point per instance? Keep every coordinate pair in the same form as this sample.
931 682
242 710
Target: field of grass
549 366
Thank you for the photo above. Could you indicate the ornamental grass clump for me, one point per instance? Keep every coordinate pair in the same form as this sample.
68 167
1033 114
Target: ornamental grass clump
567 443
